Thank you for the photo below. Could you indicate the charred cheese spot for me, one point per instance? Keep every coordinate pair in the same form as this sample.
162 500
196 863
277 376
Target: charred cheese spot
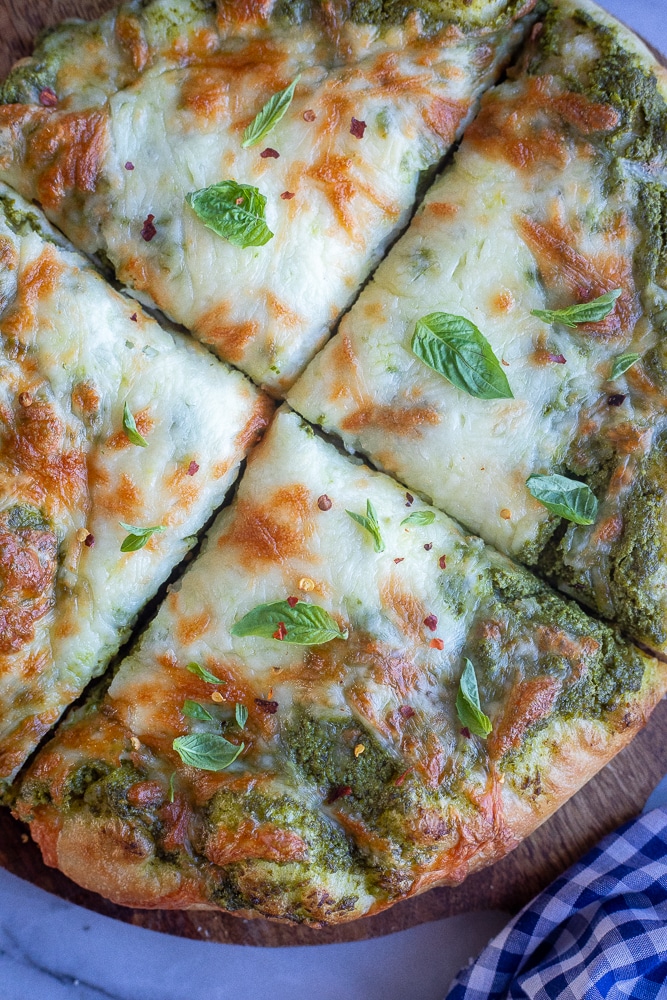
254 840
64 151
275 530
28 564
445 117
528 702
132 40
229 339
38 280
85 398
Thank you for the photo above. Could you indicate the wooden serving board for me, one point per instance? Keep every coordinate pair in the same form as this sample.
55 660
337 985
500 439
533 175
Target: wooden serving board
615 795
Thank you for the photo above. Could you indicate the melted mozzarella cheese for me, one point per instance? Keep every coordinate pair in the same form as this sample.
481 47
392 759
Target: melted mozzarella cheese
334 199
73 353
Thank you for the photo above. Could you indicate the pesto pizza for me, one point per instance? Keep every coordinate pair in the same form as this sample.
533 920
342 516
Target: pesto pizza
346 700
508 360
244 167
118 439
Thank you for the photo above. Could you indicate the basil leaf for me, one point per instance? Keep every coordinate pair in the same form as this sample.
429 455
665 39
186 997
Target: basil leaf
207 751
569 498
194 710
130 428
269 116
304 624
419 517
621 365
585 312
467 704
241 714
370 523
233 211
203 674
137 537
454 348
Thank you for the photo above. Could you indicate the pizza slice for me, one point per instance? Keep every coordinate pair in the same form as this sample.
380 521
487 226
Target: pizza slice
509 359
347 700
118 439
245 167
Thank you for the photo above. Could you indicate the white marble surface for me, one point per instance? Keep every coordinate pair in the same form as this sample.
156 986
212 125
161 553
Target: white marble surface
52 950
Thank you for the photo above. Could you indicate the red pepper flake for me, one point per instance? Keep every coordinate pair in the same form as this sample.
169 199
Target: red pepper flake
357 128
406 711
270 707
129 165
287 195
466 732
617 399
89 540
324 503
133 317
442 562
428 546
193 468
25 399
280 632
437 644
48 97
239 201
399 559
309 115
149 230
292 601
338 793
269 153
505 363
409 499
401 778
431 622
557 359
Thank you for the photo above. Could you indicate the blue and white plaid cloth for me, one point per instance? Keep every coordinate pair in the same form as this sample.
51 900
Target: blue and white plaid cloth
598 931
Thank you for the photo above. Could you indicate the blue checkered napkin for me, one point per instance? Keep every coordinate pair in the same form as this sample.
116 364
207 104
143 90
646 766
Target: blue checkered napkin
598 931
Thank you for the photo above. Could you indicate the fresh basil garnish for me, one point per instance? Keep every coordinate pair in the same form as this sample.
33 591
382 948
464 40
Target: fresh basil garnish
585 312
304 624
207 751
370 523
569 498
241 715
269 116
621 364
203 674
234 211
137 537
468 706
194 710
130 428
454 348
419 517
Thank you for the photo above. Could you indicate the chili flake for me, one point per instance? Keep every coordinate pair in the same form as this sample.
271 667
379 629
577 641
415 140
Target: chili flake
506 514
129 165
324 503
617 399
466 732
48 97
428 546
437 644
25 399
309 115
193 469
442 562
409 499
217 697
292 601
280 632
431 622
401 778
133 317
399 560
149 231
270 707
338 793
89 540
269 153
359 749
305 583
557 359
357 128
287 195
406 711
